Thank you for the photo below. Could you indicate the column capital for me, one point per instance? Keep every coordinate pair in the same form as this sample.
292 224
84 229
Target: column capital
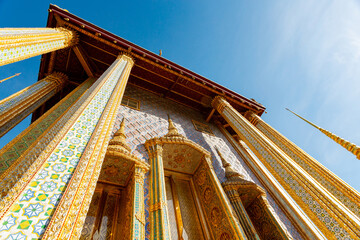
219 103
252 117
71 36
127 57
139 173
58 78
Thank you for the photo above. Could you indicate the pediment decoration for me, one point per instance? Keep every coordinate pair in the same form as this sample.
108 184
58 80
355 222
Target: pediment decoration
247 190
179 155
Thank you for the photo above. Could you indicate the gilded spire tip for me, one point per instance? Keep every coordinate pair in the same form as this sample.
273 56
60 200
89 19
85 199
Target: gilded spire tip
354 149
172 130
119 139
230 173
15 75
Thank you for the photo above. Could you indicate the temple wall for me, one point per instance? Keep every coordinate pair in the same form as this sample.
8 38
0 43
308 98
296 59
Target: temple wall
151 121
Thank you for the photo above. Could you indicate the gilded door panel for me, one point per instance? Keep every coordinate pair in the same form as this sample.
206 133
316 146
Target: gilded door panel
192 227
171 210
107 218
91 216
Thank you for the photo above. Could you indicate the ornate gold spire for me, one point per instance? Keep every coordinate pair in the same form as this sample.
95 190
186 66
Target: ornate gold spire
346 144
172 132
119 140
230 173
3 80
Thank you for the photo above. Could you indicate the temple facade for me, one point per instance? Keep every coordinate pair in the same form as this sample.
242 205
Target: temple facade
125 144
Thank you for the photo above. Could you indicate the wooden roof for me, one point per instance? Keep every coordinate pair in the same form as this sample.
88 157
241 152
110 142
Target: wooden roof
98 48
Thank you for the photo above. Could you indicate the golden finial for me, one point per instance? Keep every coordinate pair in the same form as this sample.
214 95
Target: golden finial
160 52
346 144
172 129
229 171
119 139
172 132
15 75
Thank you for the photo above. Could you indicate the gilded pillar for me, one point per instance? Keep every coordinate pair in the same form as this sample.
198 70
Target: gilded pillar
159 222
304 226
138 211
21 43
18 155
329 215
51 199
230 187
18 106
337 187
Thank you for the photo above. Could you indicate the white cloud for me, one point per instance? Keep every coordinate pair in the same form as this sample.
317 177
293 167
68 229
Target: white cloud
321 40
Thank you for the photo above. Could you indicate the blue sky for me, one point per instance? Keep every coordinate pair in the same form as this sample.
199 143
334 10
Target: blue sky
304 55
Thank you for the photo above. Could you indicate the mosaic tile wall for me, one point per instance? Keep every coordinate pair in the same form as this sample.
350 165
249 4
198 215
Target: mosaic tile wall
151 121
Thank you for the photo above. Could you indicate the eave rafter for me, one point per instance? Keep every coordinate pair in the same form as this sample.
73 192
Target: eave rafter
180 80
84 60
172 87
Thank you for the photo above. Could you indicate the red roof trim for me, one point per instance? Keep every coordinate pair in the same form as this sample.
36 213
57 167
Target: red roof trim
139 50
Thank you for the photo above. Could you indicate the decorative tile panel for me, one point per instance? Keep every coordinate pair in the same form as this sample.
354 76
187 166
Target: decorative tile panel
60 164
353 206
23 150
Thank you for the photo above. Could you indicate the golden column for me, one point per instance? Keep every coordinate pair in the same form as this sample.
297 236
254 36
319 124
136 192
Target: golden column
159 222
21 43
336 186
18 155
298 218
18 106
329 215
230 189
65 174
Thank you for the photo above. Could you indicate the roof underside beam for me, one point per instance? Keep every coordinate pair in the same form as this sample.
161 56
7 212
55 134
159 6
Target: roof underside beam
84 60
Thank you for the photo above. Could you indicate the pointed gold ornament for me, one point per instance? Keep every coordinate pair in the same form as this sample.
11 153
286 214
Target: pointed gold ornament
118 143
351 147
15 75
172 130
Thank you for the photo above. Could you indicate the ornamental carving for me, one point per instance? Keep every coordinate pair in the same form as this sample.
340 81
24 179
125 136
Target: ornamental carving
201 177
225 236
208 195
184 156
215 216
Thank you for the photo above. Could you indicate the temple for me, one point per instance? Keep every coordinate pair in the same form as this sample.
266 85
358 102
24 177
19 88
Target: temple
125 144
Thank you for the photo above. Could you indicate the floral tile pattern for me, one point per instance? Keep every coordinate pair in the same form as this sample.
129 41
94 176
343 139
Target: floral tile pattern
35 48
41 195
